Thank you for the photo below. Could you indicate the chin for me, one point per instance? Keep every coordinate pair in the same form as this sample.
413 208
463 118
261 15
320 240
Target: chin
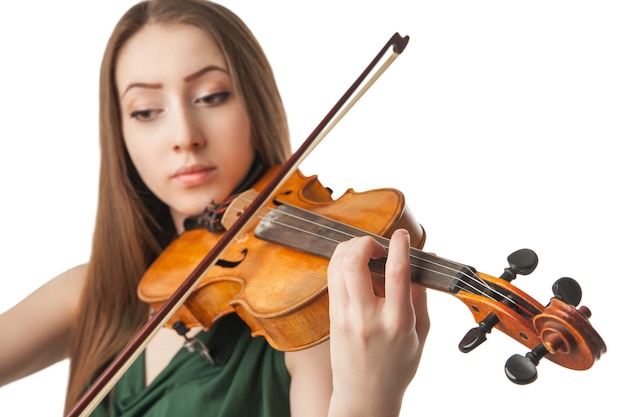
195 210
192 205
180 213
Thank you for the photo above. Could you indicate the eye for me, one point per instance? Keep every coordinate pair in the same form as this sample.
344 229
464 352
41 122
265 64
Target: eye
213 99
144 115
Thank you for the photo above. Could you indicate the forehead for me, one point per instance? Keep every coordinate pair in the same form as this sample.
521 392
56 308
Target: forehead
160 51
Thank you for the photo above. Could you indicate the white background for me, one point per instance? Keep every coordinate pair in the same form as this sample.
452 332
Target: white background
501 123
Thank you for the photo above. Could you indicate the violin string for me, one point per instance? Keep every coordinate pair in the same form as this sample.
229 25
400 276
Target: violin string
424 256
470 279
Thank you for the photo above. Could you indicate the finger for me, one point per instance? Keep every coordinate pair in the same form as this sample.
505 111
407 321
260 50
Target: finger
398 274
338 296
420 305
352 268
337 292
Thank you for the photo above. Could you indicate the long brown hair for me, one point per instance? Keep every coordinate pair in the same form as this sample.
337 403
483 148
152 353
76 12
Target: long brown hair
132 225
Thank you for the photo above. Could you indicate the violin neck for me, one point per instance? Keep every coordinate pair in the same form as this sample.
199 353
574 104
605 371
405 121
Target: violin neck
298 229
431 271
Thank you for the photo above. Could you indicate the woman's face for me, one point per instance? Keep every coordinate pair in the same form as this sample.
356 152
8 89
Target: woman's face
185 127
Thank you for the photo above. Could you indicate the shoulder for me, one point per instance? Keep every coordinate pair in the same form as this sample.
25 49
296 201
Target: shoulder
63 292
36 331
60 294
70 284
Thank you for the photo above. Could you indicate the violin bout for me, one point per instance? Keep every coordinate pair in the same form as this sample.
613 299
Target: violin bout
279 290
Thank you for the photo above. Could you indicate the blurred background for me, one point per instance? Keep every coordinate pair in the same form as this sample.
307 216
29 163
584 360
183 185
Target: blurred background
502 123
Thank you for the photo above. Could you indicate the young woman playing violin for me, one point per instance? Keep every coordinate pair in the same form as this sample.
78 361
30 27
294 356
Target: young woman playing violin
190 115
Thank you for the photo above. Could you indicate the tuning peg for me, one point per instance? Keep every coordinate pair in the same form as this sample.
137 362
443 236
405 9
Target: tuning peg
567 290
478 335
522 370
522 261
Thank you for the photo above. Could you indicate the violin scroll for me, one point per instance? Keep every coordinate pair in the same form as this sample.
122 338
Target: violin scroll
560 332
567 338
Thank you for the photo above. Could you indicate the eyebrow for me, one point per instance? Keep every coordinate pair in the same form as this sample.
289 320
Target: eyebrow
188 78
203 71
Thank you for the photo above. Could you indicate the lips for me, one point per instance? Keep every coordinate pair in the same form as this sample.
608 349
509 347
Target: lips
193 175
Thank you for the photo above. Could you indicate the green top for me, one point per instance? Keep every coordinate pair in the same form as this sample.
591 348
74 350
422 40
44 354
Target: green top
253 381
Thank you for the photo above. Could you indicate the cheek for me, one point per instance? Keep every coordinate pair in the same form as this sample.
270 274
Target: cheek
241 138
232 136
140 154
245 149
240 129
137 158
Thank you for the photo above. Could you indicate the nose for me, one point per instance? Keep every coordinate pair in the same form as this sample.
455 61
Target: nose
188 136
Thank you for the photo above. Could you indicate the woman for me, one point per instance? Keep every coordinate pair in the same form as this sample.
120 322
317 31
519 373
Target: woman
190 114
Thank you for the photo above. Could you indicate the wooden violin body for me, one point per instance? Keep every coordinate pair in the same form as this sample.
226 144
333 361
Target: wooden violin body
280 292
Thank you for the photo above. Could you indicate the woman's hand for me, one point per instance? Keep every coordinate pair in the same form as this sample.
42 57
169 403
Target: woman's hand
376 342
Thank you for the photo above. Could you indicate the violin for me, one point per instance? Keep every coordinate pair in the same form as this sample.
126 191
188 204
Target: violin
263 256
273 276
